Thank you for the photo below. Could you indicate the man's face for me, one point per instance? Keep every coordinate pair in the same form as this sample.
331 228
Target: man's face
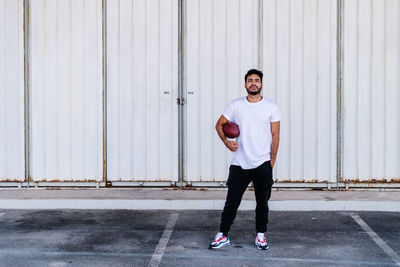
253 84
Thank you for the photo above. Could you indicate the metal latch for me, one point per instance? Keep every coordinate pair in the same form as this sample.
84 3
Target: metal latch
180 101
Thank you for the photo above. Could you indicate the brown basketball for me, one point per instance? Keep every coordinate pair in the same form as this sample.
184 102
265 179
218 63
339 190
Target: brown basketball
231 130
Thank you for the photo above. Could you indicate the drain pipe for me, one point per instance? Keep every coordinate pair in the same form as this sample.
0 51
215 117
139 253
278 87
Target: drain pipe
339 90
181 94
26 92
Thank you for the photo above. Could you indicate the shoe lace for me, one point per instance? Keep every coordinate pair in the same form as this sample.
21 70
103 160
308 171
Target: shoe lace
218 236
261 237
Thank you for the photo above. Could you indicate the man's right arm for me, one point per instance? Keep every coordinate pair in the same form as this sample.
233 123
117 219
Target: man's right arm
231 145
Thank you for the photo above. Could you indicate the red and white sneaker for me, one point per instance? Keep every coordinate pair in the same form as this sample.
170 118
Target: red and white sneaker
261 241
220 241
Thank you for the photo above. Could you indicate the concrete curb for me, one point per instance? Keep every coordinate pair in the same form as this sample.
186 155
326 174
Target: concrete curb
156 204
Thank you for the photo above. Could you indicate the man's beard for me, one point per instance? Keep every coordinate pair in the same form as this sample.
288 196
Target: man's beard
254 92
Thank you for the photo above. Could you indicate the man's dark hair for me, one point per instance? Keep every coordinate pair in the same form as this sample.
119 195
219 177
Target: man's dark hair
253 71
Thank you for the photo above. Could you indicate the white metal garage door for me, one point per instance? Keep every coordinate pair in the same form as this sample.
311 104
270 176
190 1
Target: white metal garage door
12 162
142 60
299 63
66 90
222 44
371 112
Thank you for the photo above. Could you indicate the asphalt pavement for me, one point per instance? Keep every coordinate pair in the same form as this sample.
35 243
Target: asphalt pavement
181 237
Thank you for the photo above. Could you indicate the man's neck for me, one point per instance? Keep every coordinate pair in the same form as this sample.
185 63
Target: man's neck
254 98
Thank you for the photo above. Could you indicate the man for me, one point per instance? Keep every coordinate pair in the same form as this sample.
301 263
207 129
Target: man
254 156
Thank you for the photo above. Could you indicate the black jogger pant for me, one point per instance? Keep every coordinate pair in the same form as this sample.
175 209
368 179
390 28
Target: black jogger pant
238 181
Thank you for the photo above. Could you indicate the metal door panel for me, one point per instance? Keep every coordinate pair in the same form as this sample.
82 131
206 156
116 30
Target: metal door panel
222 44
12 162
142 121
299 63
66 90
371 124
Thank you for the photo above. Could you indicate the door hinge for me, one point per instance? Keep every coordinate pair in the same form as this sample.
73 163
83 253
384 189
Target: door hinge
180 101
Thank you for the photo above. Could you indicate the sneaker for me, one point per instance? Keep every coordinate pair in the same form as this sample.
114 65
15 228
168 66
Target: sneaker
220 241
261 241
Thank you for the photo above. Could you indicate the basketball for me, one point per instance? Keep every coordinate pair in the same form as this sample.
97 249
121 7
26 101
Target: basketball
231 130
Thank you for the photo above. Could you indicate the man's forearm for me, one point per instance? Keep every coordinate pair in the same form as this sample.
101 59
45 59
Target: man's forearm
274 147
221 133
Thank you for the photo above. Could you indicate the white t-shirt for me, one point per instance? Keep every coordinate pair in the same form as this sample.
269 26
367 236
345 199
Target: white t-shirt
254 120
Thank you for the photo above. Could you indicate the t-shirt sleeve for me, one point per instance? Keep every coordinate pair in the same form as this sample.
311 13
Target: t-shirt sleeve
229 113
276 114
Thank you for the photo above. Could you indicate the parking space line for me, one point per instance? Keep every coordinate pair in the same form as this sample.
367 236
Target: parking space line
162 244
379 241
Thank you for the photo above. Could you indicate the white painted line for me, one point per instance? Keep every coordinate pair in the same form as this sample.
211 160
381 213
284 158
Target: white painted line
162 244
57 264
2 213
379 241
337 205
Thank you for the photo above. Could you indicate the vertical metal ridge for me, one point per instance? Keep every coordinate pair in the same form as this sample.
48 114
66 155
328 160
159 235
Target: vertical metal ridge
260 34
44 156
57 100
84 83
181 15
213 27
339 89
226 47
132 61
119 91
104 91
385 112
275 50
70 85
240 42
5 75
371 78
303 165
290 85
357 104
26 91
317 44
226 61
159 88
303 6
146 63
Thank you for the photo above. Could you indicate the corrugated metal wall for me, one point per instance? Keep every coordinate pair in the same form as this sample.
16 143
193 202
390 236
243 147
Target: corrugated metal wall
222 44
293 41
66 90
371 113
299 63
142 117
12 163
